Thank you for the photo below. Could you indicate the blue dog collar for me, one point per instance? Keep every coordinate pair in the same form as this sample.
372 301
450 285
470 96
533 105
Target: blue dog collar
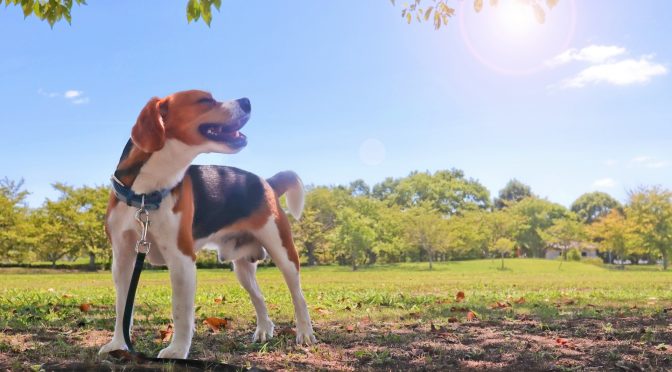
152 201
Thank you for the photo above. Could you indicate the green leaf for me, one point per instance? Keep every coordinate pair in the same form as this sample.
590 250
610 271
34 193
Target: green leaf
27 6
217 3
66 14
408 17
193 10
207 14
37 9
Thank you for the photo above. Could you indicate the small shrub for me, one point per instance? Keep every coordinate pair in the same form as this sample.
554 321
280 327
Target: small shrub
574 255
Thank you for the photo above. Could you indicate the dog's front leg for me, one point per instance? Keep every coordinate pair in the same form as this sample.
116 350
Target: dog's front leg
122 267
183 282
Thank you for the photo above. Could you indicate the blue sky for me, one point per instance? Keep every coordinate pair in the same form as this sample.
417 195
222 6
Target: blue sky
342 90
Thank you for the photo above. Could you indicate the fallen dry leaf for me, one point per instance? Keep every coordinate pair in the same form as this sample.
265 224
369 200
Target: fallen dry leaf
67 295
322 311
500 305
219 300
350 328
520 301
165 335
459 297
286 331
215 323
85 308
471 316
452 319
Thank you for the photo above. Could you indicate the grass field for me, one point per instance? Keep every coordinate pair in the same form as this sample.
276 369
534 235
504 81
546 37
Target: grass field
531 315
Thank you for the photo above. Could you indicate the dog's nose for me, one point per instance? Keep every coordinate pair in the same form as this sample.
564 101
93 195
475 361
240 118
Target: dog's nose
244 105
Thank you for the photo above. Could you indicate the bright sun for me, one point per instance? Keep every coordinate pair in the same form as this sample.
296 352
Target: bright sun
515 19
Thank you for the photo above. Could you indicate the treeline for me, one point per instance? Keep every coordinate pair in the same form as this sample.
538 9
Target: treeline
422 217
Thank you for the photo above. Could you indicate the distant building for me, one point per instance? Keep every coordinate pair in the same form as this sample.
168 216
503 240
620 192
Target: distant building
587 250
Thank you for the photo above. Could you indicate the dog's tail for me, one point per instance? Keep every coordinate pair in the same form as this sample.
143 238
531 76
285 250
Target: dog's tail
290 183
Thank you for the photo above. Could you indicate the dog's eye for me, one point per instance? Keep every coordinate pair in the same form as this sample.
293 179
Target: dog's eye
207 100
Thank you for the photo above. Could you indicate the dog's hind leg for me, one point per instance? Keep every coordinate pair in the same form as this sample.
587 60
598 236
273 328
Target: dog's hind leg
246 269
276 237
183 282
123 258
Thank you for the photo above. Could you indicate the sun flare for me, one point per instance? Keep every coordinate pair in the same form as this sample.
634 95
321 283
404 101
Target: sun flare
515 19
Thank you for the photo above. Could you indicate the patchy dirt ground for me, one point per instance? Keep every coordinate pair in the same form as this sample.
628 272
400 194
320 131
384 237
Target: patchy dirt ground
619 343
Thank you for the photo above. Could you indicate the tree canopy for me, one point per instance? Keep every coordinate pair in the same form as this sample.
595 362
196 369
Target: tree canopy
54 11
593 205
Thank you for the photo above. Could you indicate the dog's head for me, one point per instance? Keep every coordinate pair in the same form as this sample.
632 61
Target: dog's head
195 118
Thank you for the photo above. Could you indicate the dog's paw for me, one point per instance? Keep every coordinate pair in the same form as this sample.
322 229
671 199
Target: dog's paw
264 331
112 346
305 336
174 352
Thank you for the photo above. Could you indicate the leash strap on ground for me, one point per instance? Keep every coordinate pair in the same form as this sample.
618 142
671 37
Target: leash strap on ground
130 299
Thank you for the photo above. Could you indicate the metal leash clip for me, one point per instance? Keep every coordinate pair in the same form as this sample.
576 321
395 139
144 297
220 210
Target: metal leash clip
142 216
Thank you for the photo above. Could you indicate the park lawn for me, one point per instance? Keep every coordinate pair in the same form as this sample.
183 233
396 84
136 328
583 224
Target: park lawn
534 314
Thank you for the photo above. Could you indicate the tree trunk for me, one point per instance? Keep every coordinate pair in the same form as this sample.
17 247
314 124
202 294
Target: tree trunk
92 261
665 260
53 264
502 260
429 254
310 251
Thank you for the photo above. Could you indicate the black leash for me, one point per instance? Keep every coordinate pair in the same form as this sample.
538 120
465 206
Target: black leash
142 248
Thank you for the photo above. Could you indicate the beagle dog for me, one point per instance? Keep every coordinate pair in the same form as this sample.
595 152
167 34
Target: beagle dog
196 205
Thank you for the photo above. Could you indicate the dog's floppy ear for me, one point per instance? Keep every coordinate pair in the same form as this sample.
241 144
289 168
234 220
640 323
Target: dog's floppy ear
148 133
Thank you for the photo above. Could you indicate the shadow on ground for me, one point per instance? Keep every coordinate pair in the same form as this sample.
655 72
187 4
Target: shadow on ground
618 343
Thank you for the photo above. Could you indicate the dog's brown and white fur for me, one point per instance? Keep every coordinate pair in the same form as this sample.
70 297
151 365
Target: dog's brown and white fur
232 209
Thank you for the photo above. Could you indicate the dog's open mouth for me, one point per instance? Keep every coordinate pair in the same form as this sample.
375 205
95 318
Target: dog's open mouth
228 133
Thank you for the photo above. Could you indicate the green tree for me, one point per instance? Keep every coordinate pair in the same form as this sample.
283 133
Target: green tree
90 205
513 192
15 231
359 188
504 246
535 215
313 233
469 235
447 191
593 205
55 237
650 210
426 229
354 236
613 234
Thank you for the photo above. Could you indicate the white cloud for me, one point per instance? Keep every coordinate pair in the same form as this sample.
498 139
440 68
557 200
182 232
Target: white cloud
72 93
625 72
42 92
611 162
648 162
592 54
76 97
604 183
607 65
